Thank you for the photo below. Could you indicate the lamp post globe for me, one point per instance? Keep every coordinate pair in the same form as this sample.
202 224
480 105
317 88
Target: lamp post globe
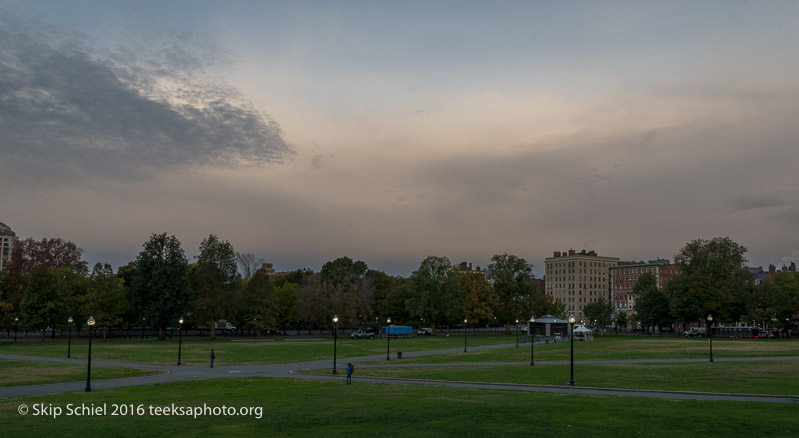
90 323
335 338
571 339
710 335
16 327
532 342
388 338
69 338
464 334
517 333
180 338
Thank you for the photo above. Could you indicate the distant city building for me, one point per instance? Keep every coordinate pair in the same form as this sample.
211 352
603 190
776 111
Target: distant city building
624 276
464 268
7 238
758 275
268 269
578 278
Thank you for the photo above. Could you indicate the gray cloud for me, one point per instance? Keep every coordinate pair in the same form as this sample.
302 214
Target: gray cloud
71 110
749 202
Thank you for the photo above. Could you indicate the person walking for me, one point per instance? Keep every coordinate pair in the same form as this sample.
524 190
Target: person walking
213 356
349 373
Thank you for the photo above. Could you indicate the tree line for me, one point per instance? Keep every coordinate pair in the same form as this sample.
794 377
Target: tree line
714 281
46 282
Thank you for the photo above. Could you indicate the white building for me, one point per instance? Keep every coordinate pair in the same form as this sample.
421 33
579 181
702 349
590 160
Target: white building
578 278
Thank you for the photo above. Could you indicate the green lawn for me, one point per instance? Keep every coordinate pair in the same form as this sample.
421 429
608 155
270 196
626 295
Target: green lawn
240 351
17 373
777 378
612 347
303 408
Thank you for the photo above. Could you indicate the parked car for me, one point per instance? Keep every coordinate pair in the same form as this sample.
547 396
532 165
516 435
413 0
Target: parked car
695 331
424 332
361 334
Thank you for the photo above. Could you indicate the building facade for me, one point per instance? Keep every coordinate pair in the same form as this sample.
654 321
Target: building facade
624 276
7 239
578 278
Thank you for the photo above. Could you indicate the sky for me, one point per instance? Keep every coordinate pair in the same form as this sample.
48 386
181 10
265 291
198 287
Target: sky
385 131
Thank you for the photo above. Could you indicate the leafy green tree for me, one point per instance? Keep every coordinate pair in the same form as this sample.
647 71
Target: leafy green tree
105 299
775 298
260 310
559 309
285 304
341 288
215 281
713 281
620 320
435 292
43 303
600 311
160 289
511 276
479 299
653 309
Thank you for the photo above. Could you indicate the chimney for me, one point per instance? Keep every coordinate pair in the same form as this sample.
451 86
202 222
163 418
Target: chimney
792 268
772 270
571 252
557 253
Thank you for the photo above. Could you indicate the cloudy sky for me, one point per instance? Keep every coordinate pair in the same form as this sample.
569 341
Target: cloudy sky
389 131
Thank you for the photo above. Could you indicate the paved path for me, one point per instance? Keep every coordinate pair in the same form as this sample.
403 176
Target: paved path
174 373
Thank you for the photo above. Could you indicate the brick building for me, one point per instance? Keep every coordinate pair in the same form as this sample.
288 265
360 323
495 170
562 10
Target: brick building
578 278
624 276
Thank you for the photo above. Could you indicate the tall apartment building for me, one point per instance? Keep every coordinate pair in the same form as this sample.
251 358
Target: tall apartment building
578 278
7 238
624 276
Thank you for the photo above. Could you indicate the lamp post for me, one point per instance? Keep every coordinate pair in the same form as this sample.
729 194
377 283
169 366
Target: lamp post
388 338
532 343
142 328
517 333
16 327
69 338
571 338
710 335
464 334
90 323
335 337
180 338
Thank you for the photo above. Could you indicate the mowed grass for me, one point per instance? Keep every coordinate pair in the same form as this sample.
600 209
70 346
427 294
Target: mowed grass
17 373
611 347
774 378
240 350
304 408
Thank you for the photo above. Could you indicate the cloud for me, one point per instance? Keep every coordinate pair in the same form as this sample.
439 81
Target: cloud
70 110
749 202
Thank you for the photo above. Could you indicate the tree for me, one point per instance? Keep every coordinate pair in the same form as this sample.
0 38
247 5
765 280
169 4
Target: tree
342 290
215 281
559 309
160 290
285 304
105 299
259 302
28 255
653 309
43 303
248 264
713 281
512 277
479 299
600 311
621 320
777 297
435 292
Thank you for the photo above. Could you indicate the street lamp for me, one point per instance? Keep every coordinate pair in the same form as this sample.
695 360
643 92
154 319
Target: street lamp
532 329
710 335
335 338
517 333
388 338
180 338
69 338
142 328
464 334
571 336
16 327
90 323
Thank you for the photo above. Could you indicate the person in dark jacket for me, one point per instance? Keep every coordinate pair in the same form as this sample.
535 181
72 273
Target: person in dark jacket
349 373
213 356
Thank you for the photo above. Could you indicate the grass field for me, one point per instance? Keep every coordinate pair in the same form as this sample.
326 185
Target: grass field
778 378
625 347
304 408
17 373
239 351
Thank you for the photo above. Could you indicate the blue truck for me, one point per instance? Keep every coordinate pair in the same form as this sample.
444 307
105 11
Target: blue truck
396 330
